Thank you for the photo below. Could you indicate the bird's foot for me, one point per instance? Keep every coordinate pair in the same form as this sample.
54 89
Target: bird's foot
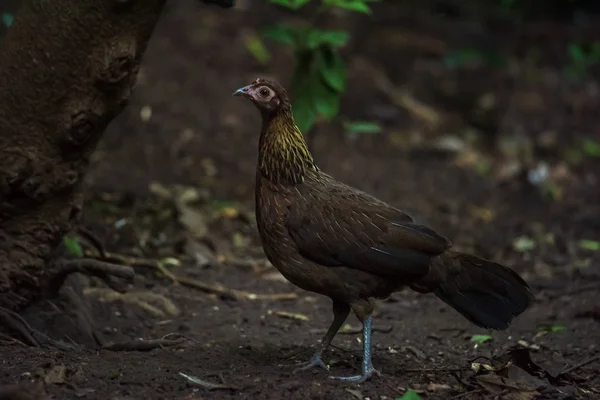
367 375
315 361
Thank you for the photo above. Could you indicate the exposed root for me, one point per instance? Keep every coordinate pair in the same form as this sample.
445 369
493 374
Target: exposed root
142 345
23 391
88 266
214 288
92 239
30 336
134 262
6 340
163 306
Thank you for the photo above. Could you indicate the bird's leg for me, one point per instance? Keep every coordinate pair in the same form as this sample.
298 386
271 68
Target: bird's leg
367 364
340 313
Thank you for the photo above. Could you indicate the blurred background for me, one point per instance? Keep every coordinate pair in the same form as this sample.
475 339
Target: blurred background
480 117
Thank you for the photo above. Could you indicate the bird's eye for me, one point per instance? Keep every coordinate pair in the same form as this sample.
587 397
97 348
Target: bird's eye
264 92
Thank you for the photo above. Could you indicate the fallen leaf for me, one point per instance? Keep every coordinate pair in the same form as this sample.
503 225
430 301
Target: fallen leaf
56 375
436 387
409 395
480 339
523 244
286 314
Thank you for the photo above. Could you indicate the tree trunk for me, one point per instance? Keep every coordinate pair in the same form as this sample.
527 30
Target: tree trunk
67 68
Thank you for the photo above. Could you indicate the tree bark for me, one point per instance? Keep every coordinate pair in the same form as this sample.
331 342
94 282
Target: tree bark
67 68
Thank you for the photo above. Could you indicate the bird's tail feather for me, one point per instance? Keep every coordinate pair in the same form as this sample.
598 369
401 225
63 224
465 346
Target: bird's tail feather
486 293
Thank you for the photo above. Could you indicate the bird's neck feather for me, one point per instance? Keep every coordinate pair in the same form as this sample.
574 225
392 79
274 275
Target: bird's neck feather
283 154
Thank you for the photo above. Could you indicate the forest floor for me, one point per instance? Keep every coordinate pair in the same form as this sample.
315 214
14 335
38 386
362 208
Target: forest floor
455 150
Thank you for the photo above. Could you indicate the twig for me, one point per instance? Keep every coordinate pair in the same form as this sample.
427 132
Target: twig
583 288
433 369
580 365
234 294
142 345
87 234
401 97
465 394
215 288
6 340
32 337
18 324
252 264
206 384
498 395
354 330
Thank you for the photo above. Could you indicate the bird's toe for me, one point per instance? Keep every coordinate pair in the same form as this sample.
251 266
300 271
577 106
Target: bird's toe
315 361
367 375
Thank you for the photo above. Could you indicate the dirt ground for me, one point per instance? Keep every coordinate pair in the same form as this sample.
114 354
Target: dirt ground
228 318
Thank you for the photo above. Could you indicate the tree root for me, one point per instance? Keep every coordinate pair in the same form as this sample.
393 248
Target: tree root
30 336
142 345
88 266
23 391
214 288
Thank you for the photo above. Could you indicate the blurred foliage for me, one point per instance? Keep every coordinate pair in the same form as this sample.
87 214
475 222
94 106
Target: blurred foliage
7 19
72 246
319 78
582 59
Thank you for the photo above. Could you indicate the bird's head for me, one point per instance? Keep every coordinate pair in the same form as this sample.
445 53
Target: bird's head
268 96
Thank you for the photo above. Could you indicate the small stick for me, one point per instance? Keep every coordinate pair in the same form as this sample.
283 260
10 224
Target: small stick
142 345
580 365
206 384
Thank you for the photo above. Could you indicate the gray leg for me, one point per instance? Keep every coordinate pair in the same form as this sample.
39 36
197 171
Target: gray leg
367 364
340 313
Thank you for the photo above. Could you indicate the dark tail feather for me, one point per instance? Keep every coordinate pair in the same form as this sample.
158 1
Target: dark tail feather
487 294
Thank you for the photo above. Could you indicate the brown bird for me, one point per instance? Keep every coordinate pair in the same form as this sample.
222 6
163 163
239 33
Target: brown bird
329 238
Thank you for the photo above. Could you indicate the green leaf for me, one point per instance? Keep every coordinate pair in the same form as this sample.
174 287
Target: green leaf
281 33
8 19
409 395
595 51
524 244
362 127
326 100
318 37
577 54
592 245
257 48
351 5
304 113
303 106
72 246
460 57
291 4
551 328
591 147
333 70
480 339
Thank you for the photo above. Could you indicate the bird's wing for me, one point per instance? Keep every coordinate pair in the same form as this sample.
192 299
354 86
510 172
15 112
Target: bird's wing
353 229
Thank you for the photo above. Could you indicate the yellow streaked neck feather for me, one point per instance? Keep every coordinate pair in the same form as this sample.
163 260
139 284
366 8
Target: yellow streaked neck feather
283 155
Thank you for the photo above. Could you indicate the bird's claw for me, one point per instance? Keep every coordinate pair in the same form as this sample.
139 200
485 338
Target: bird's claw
315 361
367 375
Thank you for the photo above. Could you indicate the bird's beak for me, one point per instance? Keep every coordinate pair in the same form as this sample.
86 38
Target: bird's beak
242 91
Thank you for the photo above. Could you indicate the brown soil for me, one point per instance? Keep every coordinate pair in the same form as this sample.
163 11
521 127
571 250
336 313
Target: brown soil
198 136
